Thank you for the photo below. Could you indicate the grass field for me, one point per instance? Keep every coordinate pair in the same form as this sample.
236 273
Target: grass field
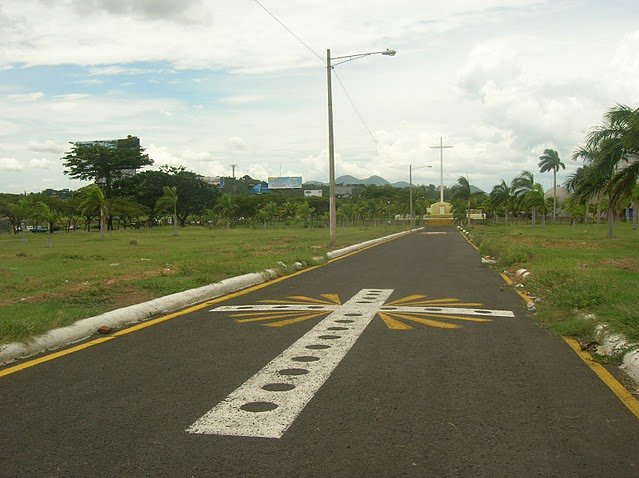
81 275
576 270
582 277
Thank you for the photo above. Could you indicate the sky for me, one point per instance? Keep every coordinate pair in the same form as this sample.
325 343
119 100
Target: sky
206 84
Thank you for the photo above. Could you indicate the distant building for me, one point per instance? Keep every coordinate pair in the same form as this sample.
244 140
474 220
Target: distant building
343 191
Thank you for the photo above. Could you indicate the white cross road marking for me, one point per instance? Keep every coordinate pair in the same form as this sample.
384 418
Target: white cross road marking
255 410
268 403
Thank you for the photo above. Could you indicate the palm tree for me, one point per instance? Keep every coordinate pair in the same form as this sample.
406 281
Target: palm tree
169 201
305 212
534 199
462 192
612 148
41 211
501 197
596 178
268 212
93 198
227 208
521 186
550 162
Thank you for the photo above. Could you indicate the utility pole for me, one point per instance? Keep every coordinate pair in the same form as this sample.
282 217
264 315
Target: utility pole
233 166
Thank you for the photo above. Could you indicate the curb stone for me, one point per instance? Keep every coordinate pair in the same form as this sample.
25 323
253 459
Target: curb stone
115 319
612 343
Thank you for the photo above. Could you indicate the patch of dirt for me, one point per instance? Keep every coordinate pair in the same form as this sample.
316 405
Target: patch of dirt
627 263
72 289
573 244
126 297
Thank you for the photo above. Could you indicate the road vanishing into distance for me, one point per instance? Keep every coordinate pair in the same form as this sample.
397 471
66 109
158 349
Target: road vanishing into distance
409 358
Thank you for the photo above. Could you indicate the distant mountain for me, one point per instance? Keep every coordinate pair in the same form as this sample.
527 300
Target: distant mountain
348 180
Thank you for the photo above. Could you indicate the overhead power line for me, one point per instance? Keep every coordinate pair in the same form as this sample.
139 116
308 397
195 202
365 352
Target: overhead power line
321 58
355 107
291 32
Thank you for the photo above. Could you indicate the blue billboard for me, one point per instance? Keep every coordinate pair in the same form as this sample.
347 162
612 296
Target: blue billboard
285 182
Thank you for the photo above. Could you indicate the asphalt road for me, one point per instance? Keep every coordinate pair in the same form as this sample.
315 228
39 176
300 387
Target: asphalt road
401 395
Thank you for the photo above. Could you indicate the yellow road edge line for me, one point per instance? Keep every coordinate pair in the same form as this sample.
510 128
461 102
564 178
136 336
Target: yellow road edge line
145 324
468 241
53 356
606 377
67 351
521 294
617 388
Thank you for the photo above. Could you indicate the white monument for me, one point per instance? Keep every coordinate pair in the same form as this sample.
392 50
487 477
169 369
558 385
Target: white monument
441 212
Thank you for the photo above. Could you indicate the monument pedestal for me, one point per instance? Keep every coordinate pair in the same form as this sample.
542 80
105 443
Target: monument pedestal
440 214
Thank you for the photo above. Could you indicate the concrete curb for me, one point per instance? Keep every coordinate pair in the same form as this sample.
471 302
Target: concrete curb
362 245
612 344
85 328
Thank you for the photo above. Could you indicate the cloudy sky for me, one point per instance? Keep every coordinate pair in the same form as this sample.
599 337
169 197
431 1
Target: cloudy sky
210 83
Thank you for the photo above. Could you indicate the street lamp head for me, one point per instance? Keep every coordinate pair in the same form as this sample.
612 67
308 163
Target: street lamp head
389 52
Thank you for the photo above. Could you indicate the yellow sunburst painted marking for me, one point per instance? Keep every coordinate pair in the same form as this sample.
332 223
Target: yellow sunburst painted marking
394 320
267 313
429 322
408 298
393 324
297 299
302 318
334 298
268 316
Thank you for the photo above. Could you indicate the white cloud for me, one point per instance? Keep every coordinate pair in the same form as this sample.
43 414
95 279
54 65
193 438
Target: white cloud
10 164
48 147
42 163
498 79
240 99
185 11
201 162
26 97
237 143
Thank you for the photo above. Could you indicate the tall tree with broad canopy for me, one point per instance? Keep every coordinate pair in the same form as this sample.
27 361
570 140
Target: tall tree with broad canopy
105 162
550 161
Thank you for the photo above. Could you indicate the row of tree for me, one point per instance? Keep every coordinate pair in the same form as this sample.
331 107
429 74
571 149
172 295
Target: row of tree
610 168
123 197
607 181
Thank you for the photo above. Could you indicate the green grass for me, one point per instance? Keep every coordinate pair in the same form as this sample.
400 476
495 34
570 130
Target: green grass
576 270
81 276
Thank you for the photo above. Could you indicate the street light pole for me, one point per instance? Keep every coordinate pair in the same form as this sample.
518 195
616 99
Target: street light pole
410 196
410 192
332 211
